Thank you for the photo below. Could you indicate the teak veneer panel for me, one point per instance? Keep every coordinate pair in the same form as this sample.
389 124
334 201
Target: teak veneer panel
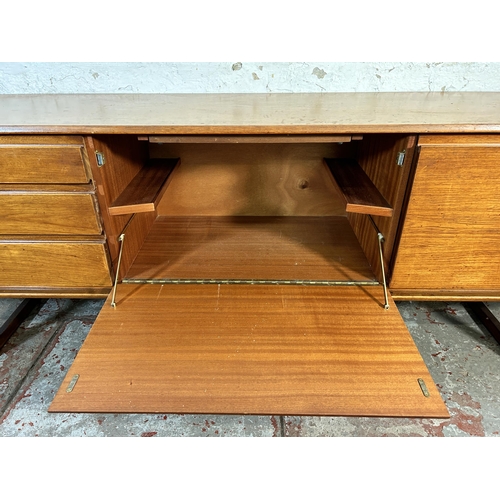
377 156
249 350
359 193
145 189
451 238
38 164
267 113
251 248
48 212
124 158
55 263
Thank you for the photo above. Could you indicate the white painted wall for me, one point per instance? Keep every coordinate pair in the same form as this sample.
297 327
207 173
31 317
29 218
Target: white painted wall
154 77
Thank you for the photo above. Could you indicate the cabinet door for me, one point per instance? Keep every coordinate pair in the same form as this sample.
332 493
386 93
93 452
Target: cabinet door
450 242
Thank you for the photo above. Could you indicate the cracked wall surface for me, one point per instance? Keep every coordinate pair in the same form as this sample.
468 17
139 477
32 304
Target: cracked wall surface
36 78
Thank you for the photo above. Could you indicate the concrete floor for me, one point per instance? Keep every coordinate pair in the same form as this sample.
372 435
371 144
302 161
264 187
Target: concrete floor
461 355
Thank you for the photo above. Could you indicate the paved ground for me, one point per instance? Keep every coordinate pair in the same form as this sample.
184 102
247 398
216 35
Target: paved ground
462 357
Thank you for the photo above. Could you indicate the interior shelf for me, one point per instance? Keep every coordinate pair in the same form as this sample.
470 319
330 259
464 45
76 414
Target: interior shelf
146 188
251 249
359 193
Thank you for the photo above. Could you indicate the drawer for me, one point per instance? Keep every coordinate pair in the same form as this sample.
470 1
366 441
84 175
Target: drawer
68 263
43 160
48 210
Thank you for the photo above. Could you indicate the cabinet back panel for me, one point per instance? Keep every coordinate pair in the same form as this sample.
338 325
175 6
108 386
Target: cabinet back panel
251 179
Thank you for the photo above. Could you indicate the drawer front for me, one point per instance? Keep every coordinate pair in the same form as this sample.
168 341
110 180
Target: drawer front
40 163
48 214
58 264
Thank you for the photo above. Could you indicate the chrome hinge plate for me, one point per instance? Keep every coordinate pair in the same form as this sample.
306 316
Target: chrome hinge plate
72 383
100 159
401 158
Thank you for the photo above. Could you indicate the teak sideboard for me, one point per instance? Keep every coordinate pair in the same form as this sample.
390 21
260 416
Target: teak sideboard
250 246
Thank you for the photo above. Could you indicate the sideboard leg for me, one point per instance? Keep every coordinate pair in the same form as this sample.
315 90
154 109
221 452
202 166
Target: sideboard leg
487 318
13 322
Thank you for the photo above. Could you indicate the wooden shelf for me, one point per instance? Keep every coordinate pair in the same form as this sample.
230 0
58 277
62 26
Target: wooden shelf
146 188
360 194
251 248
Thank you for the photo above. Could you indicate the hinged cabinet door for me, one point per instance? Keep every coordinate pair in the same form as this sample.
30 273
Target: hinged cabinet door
451 236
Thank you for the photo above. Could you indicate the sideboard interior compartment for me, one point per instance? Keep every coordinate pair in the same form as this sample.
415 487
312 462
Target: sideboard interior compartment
251 212
248 292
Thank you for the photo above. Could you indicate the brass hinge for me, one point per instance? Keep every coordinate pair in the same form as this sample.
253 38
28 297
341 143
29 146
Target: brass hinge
100 159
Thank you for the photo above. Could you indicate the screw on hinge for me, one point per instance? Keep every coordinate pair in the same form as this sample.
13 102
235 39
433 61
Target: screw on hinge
100 158
401 158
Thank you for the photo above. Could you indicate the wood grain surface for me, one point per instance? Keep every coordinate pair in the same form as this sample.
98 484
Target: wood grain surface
461 295
252 248
56 263
54 211
124 158
451 233
377 156
83 292
358 191
253 138
251 179
250 350
38 164
280 113
145 190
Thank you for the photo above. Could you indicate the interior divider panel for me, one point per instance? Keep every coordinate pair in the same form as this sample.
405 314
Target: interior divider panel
237 349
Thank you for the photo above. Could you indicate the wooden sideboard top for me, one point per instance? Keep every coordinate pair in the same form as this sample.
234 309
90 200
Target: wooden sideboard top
338 113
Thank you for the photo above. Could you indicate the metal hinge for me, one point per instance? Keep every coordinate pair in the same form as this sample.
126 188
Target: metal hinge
72 383
423 387
401 157
100 159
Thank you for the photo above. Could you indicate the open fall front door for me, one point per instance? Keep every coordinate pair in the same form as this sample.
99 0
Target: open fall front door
243 349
